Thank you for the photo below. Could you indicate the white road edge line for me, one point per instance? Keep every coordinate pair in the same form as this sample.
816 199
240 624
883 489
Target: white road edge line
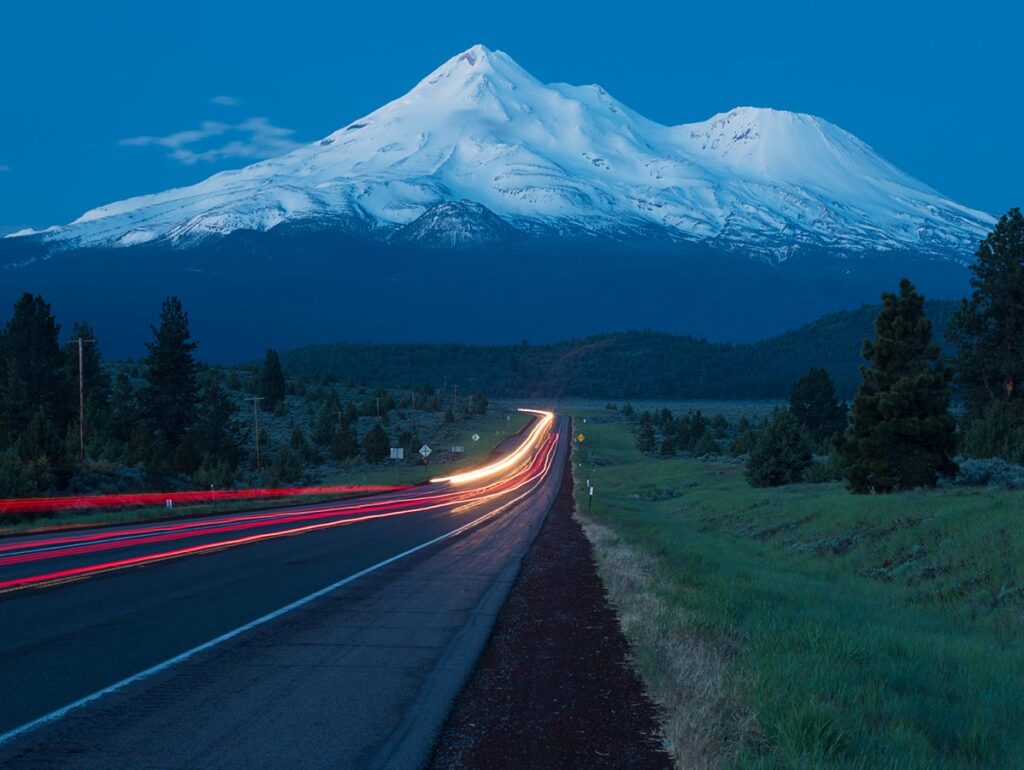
64 710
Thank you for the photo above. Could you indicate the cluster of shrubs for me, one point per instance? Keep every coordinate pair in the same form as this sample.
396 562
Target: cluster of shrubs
691 433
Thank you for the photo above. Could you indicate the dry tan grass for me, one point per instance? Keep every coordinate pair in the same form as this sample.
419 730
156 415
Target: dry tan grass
682 668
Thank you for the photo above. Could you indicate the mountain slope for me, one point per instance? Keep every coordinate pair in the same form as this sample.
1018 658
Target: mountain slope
551 160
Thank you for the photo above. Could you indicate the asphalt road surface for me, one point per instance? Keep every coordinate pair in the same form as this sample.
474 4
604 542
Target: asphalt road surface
329 635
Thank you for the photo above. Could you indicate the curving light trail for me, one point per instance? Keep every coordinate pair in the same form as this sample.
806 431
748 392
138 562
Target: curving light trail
540 428
528 464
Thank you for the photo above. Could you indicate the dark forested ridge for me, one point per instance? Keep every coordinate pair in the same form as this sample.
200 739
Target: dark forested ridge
635 364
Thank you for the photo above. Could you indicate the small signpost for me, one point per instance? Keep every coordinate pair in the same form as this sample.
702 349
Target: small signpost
397 454
457 450
475 437
425 451
590 500
581 438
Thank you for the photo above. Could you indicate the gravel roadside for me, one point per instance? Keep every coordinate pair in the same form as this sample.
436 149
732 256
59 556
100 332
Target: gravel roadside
553 687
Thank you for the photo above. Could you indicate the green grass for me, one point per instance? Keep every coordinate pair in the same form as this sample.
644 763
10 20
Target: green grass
493 428
870 632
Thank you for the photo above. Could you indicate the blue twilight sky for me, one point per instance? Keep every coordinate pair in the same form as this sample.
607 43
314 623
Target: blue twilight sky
104 100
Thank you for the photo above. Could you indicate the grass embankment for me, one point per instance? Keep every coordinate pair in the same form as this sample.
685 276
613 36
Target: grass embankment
805 627
492 427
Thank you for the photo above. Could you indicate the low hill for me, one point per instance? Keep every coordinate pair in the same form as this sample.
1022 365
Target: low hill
635 364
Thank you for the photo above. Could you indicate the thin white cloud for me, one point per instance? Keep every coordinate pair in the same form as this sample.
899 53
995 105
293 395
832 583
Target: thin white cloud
4 167
252 139
225 101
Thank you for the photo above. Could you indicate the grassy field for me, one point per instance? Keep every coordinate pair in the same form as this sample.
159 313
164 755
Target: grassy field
803 627
492 427
598 408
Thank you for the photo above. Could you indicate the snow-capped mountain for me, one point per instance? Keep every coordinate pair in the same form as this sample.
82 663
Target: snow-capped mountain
482 150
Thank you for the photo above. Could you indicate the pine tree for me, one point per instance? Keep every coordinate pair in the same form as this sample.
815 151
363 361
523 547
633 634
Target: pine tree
376 444
286 467
901 434
32 374
781 453
217 431
124 410
345 443
813 403
331 415
170 399
988 330
272 383
645 441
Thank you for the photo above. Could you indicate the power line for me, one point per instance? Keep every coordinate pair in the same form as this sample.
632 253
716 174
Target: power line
81 398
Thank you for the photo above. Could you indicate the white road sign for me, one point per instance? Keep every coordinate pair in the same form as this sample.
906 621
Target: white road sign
476 437
425 450
397 453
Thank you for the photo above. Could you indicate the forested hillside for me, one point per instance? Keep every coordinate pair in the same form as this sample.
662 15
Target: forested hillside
636 364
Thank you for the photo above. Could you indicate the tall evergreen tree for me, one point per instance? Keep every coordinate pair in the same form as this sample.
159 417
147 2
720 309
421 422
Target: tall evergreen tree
217 432
901 433
988 329
813 403
170 398
272 383
32 374
124 414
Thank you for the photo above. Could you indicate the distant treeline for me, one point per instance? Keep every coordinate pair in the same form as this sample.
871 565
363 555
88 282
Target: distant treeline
628 365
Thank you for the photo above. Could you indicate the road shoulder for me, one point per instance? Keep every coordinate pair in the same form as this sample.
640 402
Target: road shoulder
553 687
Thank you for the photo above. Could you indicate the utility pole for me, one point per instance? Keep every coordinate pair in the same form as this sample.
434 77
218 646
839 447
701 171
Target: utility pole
256 425
81 399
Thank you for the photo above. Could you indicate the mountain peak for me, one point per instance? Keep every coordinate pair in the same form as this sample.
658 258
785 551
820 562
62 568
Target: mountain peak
481 131
475 62
474 54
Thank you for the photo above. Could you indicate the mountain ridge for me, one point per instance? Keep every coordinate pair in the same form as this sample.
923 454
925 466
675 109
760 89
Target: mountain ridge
637 364
559 160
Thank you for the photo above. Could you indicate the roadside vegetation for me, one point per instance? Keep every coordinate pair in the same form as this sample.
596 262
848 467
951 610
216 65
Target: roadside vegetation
802 626
169 422
834 588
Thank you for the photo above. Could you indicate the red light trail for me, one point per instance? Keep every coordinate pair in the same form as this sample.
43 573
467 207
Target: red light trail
86 502
527 464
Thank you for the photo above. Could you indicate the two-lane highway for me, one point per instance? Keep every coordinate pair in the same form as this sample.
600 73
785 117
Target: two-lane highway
118 615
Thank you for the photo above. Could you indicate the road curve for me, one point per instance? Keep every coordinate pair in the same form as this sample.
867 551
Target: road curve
324 635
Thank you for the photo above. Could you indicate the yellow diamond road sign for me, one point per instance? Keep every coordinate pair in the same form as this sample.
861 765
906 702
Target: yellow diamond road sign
580 438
